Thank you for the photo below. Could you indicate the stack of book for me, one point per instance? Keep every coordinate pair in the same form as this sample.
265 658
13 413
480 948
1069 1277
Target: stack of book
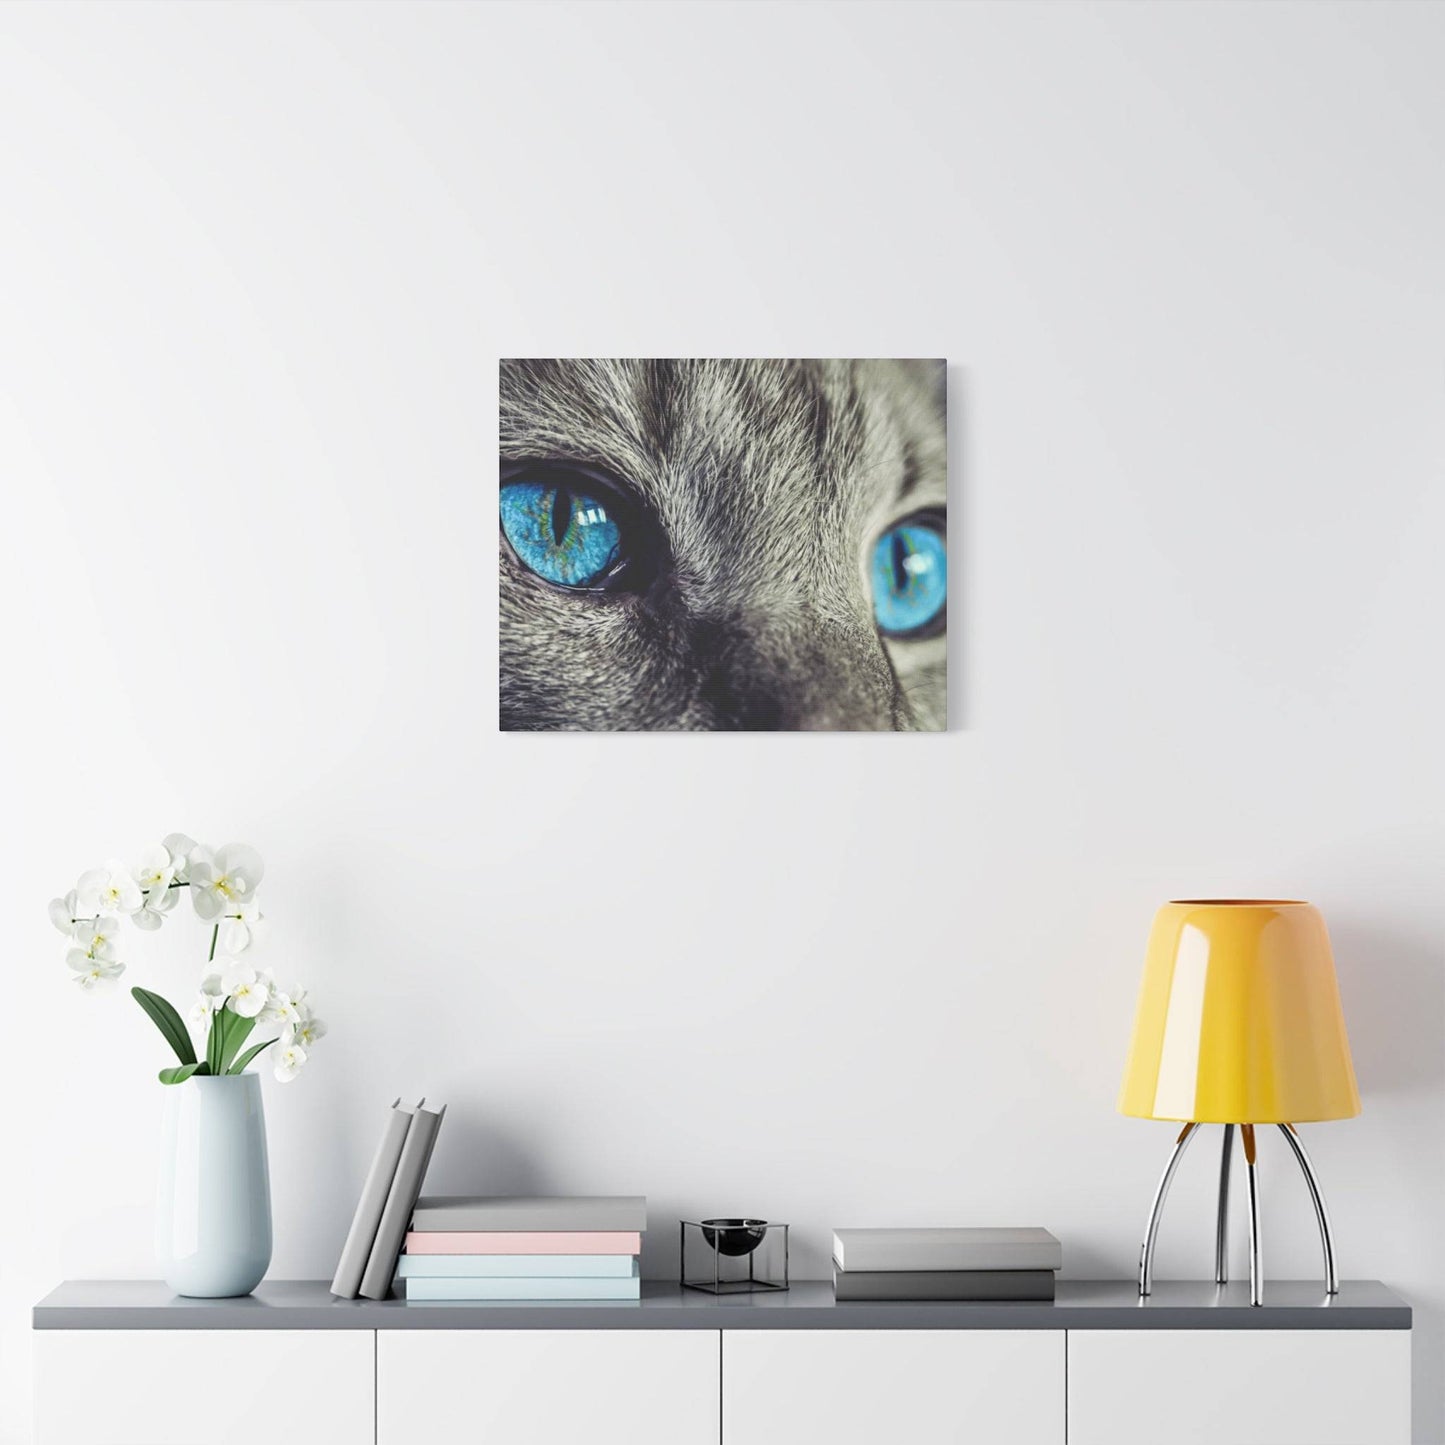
945 1264
505 1248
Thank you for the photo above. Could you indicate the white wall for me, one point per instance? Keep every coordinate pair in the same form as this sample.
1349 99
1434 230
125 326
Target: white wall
258 264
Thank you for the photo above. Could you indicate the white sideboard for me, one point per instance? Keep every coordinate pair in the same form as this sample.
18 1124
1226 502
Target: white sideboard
186 1387
1209 1387
603 1387
120 1363
864 1387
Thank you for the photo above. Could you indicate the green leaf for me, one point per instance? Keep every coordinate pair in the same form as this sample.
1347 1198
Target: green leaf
168 1021
216 1038
181 1072
239 1067
237 1032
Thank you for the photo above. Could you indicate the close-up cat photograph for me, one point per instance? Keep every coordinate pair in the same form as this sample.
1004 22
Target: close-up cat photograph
723 545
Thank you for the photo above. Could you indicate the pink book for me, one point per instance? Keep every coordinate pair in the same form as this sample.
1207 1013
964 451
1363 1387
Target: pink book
515 1241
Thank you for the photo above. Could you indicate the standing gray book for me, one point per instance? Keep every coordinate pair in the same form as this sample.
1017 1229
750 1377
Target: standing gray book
364 1223
946 1284
400 1201
603 1214
943 1249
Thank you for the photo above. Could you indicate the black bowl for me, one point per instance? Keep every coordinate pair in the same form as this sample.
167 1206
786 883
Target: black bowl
734 1237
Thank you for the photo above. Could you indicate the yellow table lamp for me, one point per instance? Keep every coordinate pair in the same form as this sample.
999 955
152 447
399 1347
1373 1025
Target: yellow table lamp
1239 1022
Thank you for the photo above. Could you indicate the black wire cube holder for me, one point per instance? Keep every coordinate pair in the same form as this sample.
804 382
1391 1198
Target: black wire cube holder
732 1256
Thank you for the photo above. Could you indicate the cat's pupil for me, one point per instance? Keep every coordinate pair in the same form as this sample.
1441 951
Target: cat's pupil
900 572
561 515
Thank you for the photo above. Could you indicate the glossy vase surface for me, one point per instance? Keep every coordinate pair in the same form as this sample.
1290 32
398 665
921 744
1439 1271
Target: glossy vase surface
213 1217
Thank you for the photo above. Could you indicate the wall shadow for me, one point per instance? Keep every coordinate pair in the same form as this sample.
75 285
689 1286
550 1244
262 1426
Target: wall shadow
962 591
1392 985
477 1154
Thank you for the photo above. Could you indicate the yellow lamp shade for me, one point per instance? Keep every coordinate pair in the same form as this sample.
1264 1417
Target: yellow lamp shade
1239 1018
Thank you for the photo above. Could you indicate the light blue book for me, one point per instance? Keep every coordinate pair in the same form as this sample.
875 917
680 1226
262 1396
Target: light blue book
523 1289
517 1266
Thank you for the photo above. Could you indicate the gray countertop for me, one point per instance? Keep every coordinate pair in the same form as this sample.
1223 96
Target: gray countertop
809 1305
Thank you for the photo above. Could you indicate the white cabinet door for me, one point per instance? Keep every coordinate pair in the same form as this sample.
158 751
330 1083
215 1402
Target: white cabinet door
871 1387
203 1387
547 1387
1239 1387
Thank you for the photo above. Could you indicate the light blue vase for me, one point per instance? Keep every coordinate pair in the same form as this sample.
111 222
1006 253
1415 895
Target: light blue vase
213 1220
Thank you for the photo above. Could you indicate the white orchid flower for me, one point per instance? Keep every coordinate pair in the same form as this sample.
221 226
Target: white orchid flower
108 890
220 883
281 1009
246 992
210 1000
155 875
63 911
93 974
242 928
98 937
304 1032
289 1062
158 902
156 868
180 848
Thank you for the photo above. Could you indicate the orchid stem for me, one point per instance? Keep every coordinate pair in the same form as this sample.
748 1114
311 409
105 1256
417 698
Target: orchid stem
215 934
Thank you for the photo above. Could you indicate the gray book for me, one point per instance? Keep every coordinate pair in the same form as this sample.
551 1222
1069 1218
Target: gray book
945 1284
362 1234
942 1249
622 1214
400 1201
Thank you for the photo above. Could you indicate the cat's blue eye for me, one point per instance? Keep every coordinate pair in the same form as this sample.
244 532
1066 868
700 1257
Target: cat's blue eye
566 535
910 579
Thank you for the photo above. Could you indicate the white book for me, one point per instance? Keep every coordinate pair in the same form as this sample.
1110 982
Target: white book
945 1249
523 1289
574 1214
517 1266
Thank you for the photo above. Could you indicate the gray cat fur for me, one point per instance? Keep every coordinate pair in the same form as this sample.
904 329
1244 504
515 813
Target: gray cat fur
769 481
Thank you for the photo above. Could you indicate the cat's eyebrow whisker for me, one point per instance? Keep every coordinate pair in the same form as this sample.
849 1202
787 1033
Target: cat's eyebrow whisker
921 685
914 479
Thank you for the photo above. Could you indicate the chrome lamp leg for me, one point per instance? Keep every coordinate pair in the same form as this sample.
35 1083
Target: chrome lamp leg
1251 1171
1322 1215
1221 1228
1151 1232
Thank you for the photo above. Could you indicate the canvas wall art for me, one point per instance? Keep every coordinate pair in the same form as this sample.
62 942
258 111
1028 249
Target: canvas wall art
723 545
